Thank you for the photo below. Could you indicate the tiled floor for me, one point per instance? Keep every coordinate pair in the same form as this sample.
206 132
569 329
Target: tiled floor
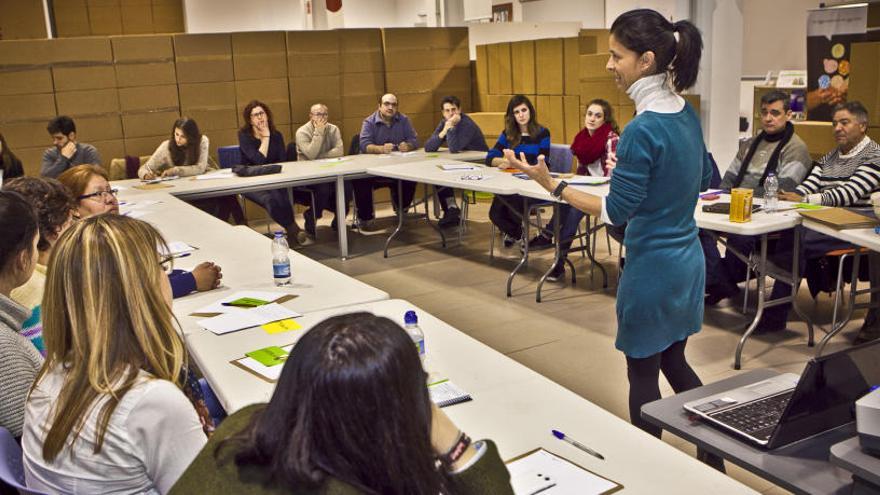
570 336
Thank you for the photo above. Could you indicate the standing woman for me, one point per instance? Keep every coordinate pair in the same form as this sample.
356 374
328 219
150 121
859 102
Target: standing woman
661 166
261 144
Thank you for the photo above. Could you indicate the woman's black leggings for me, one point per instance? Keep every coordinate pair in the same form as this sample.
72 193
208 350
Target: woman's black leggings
644 387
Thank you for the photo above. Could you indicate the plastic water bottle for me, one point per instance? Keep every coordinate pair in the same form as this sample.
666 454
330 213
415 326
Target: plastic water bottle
280 259
771 189
411 325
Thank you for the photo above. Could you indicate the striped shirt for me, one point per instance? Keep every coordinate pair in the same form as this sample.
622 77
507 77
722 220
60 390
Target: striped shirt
531 146
844 179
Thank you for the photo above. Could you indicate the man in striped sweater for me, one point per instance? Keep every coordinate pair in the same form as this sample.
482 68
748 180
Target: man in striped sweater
844 177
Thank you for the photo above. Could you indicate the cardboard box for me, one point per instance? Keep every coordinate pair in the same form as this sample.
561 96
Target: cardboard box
489 122
81 78
451 57
422 102
206 95
149 123
137 16
412 81
273 92
31 158
874 132
313 53
309 88
110 149
71 18
22 20
498 103
203 57
593 41
424 124
359 107
416 57
454 81
571 66
104 17
355 62
574 119
604 89
88 102
24 52
261 55
522 55
222 137
26 82
168 16
211 119
95 50
141 146
453 37
548 56
481 71
499 69
623 114
361 50
818 136
864 78
592 67
551 115
694 100
99 128
363 83
148 48
26 134
27 107
144 98
145 74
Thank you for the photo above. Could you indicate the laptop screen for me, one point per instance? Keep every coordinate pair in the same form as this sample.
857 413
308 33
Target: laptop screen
826 393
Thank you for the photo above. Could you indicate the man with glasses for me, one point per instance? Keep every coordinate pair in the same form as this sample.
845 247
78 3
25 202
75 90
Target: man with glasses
315 140
66 152
775 149
385 131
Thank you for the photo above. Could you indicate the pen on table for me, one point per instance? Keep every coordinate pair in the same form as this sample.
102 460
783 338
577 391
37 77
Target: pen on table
562 436
710 194
181 255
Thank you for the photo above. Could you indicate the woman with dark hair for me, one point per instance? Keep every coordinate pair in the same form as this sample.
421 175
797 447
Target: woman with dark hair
10 165
260 143
523 134
186 153
350 414
19 360
661 166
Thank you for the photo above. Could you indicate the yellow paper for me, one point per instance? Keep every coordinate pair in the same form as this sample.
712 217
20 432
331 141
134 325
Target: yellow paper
281 326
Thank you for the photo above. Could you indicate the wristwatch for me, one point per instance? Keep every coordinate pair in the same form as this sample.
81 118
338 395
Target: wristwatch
557 193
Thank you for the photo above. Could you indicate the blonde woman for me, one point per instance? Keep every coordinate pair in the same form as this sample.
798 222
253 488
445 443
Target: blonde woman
106 412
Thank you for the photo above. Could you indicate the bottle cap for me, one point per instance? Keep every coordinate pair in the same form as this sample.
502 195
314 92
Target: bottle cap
279 233
410 318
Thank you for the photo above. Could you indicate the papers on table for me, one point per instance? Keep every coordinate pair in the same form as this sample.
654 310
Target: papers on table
269 371
587 180
247 318
402 153
136 209
225 173
334 160
544 472
452 167
217 307
445 393
160 179
176 248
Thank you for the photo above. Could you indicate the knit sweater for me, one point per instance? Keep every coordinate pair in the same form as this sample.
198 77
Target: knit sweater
313 145
30 295
844 179
794 163
54 163
19 364
532 146
161 161
464 136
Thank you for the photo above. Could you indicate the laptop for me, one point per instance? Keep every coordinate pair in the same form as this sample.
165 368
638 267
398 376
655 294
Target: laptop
787 408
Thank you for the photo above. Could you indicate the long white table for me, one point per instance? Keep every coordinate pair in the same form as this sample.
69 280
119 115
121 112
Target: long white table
513 405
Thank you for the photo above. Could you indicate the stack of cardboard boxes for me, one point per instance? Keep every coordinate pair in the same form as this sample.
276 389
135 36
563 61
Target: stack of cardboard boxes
313 65
864 80
206 85
363 78
84 78
148 100
27 99
108 17
260 66
424 65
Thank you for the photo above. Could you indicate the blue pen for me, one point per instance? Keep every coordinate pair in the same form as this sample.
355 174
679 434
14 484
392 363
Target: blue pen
558 434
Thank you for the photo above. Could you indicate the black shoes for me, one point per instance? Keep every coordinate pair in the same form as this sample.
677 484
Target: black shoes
451 218
557 272
540 242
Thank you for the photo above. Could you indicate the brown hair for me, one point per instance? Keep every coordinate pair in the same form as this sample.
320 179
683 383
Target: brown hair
247 128
189 153
8 160
607 111
511 128
50 199
75 179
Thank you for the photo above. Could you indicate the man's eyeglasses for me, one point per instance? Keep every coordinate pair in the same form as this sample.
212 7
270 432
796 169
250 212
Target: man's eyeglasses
320 114
99 195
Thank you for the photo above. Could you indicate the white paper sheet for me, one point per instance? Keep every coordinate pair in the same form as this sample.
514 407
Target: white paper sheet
268 372
549 474
450 167
223 174
218 307
252 317
176 247
587 180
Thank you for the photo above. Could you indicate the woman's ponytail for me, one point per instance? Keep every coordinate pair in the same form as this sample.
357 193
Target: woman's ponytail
688 49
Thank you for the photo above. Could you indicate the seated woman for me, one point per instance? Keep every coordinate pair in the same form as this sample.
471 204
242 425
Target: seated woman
592 146
18 255
54 208
107 413
10 165
523 134
260 143
90 187
385 437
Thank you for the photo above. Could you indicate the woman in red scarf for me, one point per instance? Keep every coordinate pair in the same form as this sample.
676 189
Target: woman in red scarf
591 146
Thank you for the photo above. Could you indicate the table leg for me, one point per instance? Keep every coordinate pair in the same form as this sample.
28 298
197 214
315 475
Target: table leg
428 216
795 284
556 257
401 211
525 244
762 279
592 256
341 218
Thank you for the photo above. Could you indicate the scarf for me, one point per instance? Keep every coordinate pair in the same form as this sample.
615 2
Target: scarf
589 148
783 137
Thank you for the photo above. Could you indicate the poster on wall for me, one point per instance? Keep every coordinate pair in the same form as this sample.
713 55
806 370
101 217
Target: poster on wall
830 32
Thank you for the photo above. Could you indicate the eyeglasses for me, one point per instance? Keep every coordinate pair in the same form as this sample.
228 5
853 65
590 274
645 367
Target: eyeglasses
99 195
389 104
320 114
167 262
258 114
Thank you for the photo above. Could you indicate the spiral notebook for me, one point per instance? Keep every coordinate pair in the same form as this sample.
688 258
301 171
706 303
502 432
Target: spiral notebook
445 393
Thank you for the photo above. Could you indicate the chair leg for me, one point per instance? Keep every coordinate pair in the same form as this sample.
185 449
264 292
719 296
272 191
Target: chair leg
492 243
837 290
748 280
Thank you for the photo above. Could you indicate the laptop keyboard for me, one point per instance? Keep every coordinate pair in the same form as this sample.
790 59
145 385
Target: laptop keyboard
758 418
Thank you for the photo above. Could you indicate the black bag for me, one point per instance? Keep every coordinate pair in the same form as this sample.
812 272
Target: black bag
252 170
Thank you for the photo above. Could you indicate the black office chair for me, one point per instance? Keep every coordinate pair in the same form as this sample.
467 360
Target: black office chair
291 155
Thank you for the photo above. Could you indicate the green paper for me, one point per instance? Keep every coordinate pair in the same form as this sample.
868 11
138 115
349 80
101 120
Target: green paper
247 302
432 155
268 356
807 206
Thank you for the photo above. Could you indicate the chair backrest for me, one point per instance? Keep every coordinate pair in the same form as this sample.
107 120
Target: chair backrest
11 467
716 174
291 153
561 158
229 156
354 148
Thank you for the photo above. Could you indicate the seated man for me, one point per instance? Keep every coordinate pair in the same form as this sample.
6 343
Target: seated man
844 177
67 152
775 149
460 133
315 140
384 131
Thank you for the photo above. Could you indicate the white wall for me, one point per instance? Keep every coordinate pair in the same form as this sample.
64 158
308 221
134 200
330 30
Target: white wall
590 13
671 9
224 16
777 35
